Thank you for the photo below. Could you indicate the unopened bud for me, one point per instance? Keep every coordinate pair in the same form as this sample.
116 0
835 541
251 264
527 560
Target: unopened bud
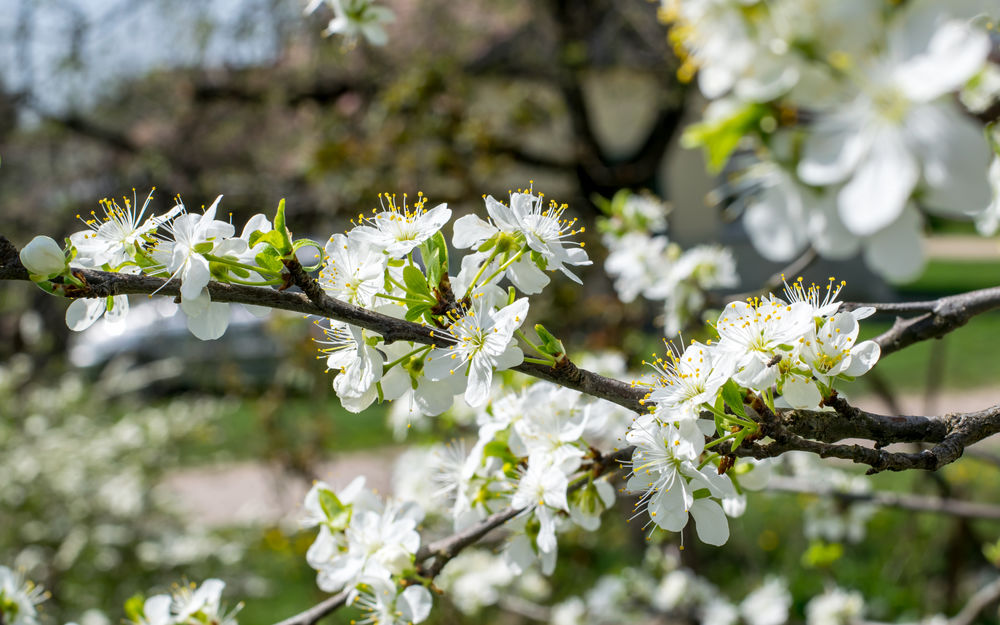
43 257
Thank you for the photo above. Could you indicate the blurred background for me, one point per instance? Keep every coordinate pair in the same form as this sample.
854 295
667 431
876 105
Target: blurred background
130 461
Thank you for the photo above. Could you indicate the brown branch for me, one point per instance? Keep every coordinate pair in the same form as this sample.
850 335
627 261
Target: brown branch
816 432
318 611
903 501
952 433
939 317
314 301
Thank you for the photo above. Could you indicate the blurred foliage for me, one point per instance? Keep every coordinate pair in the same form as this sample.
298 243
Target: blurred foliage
83 513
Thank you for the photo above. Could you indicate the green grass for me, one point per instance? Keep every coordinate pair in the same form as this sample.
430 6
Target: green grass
262 427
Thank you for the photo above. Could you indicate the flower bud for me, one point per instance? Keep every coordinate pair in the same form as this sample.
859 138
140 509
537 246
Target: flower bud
43 257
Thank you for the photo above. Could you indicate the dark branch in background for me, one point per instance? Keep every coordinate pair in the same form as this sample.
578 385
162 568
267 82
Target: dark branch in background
984 598
777 279
903 501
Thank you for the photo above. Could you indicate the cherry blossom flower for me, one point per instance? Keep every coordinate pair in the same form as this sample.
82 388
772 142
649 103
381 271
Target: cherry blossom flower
541 226
902 130
384 604
43 257
397 229
353 271
483 343
754 334
18 598
354 18
358 364
112 239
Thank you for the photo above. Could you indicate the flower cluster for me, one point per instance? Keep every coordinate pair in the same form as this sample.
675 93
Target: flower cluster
849 113
396 261
794 350
190 247
367 546
187 605
648 264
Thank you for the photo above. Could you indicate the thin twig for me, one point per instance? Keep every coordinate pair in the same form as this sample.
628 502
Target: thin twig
903 501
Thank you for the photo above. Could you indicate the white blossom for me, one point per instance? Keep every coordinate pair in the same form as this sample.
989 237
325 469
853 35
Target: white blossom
397 229
483 343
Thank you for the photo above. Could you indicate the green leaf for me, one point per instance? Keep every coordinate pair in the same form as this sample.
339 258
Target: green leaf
433 264
270 260
550 344
284 237
719 137
413 313
337 514
134 608
415 281
733 397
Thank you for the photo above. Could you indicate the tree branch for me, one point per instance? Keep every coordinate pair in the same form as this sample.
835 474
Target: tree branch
318 611
314 301
815 432
939 317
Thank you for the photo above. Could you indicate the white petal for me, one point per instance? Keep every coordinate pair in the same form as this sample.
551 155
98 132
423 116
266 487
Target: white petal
440 364
956 159
119 310
879 188
194 277
776 223
863 358
671 507
827 232
832 150
470 231
416 603
896 252
801 393
480 378
710 522
212 323
527 277
954 55
82 313
510 357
